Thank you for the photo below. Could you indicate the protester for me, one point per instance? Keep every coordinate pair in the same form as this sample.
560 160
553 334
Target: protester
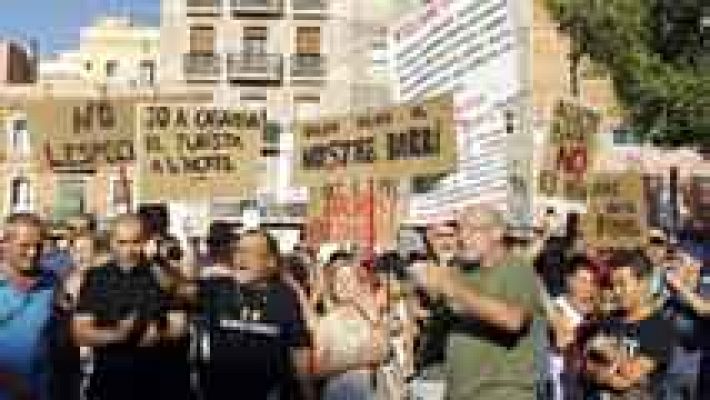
123 314
572 318
489 350
66 376
26 296
638 344
252 330
350 341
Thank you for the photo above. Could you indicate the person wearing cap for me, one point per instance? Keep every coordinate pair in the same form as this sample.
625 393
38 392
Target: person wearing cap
489 311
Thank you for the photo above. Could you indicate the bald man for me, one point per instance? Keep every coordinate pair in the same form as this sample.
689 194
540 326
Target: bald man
25 309
125 316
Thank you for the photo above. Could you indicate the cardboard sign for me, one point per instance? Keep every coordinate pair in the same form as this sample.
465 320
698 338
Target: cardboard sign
196 151
341 213
393 142
82 133
700 203
569 153
616 207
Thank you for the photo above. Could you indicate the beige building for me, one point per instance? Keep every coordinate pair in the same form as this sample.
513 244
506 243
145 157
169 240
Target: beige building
114 52
296 59
115 59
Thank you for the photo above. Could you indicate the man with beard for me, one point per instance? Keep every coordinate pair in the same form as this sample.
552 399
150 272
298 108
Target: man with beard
124 315
483 314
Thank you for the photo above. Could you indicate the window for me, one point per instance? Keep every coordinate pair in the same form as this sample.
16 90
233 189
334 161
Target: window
255 40
147 72
111 68
70 199
308 40
20 197
87 66
20 139
202 39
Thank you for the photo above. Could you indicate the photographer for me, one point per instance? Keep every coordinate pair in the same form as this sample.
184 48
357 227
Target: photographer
123 314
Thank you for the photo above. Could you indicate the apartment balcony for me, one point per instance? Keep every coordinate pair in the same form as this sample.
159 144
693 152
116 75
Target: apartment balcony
204 8
255 68
309 7
199 67
257 7
308 67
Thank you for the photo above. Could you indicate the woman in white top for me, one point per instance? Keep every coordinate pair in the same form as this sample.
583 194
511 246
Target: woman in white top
349 339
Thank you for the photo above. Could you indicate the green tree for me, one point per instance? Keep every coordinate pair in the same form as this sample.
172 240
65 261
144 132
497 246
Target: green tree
653 51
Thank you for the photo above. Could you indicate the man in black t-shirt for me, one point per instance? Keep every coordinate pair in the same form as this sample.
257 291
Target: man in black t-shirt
631 359
253 338
124 315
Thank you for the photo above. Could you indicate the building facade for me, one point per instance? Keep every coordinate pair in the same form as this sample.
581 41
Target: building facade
295 59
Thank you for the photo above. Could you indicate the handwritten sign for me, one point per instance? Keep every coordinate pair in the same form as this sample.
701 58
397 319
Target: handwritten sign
82 133
569 152
198 151
343 212
393 142
616 211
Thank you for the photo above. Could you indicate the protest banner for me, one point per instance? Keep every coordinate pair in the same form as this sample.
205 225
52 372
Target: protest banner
395 142
355 212
569 152
699 201
80 134
616 211
197 151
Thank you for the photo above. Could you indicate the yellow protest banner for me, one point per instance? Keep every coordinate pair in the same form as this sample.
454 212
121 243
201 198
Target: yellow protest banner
616 211
395 142
569 152
82 133
198 151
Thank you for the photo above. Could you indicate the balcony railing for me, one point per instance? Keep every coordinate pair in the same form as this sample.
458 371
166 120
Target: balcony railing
308 66
254 67
257 7
202 66
204 7
309 6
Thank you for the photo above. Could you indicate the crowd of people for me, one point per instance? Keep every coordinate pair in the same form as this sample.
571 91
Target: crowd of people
132 314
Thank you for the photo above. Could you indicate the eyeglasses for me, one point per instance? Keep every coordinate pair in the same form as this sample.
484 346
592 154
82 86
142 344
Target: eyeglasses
124 242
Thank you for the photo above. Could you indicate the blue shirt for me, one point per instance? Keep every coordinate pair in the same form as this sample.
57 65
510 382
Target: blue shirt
24 318
56 263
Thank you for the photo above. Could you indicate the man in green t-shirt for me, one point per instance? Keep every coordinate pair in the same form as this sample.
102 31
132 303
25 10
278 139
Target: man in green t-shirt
488 348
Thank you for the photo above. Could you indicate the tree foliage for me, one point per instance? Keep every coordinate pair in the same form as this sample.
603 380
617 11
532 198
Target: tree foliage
654 52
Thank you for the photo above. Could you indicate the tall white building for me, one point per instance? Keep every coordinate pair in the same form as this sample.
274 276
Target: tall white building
471 48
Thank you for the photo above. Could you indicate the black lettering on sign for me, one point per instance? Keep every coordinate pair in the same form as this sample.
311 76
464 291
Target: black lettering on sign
331 128
93 116
313 157
312 130
364 122
621 207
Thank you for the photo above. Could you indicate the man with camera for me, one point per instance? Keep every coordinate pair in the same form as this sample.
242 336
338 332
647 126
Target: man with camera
124 314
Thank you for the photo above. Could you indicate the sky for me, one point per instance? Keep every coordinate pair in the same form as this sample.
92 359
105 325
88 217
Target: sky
55 23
